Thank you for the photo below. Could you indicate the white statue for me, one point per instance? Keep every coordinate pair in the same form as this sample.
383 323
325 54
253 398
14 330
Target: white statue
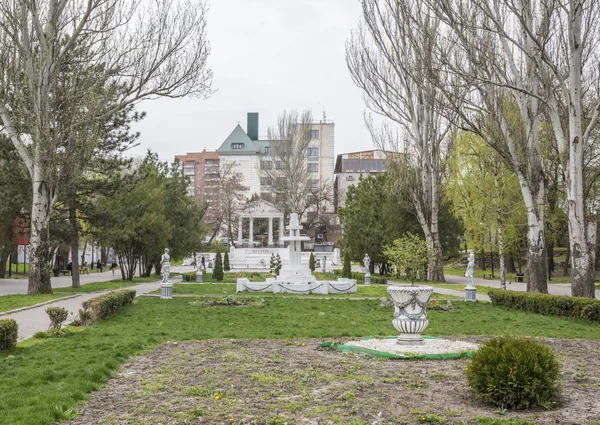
166 266
367 263
469 272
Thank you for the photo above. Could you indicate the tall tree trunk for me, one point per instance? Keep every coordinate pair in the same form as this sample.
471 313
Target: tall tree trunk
501 255
583 257
75 282
39 266
3 260
83 252
550 255
510 264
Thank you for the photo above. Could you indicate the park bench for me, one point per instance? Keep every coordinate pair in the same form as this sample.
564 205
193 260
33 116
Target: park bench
84 270
488 276
65 272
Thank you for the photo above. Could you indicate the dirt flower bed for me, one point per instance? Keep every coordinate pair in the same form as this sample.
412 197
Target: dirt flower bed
278 382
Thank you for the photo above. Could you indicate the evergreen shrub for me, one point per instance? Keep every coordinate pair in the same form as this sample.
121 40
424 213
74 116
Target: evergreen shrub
347 269
226 266
514 373
8 334
218 270
311 262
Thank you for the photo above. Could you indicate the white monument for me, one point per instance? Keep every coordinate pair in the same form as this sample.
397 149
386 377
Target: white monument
166 287
294 276
470 290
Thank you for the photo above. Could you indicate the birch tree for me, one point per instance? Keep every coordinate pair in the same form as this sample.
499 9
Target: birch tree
391 58
143 49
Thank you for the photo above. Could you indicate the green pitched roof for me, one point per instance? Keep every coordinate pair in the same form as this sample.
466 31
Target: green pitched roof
243 144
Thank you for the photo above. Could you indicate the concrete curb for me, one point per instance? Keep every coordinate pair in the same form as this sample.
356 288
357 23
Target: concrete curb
29 307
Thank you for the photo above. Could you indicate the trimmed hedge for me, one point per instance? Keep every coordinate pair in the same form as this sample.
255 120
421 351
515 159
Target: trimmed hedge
8 333
549 305
189 276
107 304
360 277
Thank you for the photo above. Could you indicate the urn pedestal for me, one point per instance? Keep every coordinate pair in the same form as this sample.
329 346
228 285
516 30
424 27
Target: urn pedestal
410 317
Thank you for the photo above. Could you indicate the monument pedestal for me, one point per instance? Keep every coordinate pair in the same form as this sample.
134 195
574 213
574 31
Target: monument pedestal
470 294
367 278
166 291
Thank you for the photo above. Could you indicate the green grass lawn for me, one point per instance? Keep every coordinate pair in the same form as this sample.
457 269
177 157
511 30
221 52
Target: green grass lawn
17 268
459 287
12 302
111 284
43 380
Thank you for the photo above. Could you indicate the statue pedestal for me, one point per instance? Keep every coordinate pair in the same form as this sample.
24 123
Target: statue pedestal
367 278
470 294
199 277
166 291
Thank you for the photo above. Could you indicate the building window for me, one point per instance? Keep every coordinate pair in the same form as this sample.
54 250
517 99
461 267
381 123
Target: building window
266 165
266 181
313 152
315 134
279 165
314 183
237 146
267 150
312 168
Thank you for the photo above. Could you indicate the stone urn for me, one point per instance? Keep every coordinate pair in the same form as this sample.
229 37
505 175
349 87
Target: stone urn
410 317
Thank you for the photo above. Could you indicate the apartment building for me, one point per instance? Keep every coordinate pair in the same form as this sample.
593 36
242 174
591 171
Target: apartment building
350 166
203 170
249 153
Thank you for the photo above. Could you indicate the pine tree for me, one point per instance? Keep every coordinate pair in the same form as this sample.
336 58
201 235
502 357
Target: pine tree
218 270
347 270
311 262
226 266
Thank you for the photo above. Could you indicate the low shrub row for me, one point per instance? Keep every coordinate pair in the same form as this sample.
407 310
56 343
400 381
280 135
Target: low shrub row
8 334
360 277
550 305
189 276
107 304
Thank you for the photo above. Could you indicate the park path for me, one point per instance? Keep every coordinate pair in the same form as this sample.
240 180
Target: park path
553 288
35 319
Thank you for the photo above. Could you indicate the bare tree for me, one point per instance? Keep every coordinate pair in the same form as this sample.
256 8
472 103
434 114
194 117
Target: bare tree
536 52
286 168
227 200
391 58
142 49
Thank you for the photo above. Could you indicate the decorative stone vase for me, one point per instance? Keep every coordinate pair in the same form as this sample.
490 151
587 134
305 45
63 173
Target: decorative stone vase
410 317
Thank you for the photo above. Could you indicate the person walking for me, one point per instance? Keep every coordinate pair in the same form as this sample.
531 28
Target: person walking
99 266
113 265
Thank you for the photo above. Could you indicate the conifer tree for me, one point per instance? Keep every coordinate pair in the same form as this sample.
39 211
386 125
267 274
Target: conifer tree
272 264
277 265
226 266
218 270
347 270
311 262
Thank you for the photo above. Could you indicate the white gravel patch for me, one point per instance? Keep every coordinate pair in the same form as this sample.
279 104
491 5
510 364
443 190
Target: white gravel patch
429 346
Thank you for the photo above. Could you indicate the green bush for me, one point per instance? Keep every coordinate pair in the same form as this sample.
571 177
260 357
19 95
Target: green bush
189 276
360 277
514 373
347 270
218 270
311 262
57 316
549 305
8 333
107 304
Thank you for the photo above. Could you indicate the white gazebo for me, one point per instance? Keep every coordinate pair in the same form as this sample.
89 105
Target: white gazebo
262 209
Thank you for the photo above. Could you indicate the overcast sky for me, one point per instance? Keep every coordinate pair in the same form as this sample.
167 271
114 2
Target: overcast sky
266 56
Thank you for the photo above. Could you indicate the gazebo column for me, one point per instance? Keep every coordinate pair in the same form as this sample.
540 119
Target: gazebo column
240 237
270 232
281 225
251 235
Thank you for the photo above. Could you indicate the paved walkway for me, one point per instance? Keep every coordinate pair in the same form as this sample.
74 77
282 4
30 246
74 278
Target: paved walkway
553 288
35 319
